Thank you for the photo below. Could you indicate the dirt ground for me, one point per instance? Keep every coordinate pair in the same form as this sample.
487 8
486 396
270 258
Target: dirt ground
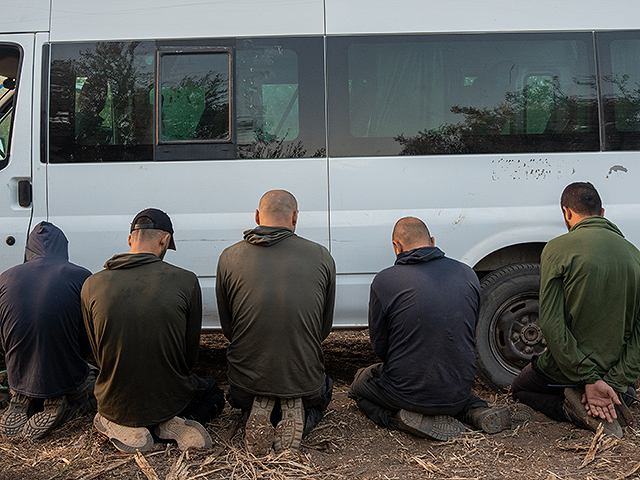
344 445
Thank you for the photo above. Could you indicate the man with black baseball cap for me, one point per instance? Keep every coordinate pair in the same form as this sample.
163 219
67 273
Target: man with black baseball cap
143 318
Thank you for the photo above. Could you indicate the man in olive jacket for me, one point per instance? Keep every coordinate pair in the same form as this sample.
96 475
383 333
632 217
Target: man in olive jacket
143 317
590 317
275 294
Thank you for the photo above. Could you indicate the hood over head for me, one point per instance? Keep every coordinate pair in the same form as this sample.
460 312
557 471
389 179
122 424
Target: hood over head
267 236
419 255
47 241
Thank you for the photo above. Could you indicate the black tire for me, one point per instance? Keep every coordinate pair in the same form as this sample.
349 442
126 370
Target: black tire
508 334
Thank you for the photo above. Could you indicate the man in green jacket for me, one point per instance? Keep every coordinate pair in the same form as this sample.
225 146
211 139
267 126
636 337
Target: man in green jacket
590 318
143 318
275 294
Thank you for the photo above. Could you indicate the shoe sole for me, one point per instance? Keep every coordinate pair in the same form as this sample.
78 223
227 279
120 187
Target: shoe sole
14 418
259 432
288 435
188 433
506 418
54 414
438 427
101 425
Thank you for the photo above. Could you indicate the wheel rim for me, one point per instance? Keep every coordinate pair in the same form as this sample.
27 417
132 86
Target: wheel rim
515 335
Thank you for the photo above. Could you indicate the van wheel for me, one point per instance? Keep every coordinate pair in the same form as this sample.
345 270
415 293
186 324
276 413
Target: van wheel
508 333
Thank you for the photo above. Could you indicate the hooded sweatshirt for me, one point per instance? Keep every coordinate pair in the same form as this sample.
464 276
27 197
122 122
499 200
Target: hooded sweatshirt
144 318
423 313
41 325
590 306
276 294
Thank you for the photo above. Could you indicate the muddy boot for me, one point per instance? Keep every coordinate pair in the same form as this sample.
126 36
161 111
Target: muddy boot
576 413
494 420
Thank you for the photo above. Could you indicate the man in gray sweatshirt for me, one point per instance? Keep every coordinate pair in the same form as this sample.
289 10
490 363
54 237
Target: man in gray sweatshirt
275 295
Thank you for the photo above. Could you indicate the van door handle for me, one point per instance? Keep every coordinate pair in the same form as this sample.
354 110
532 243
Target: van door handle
25 193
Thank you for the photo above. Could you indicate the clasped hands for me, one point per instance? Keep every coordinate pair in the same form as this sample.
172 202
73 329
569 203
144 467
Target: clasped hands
600 400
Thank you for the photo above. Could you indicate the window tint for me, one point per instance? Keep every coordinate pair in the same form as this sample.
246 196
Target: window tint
195 97
217 99
9 62
435 94
101 102
280 98
619 54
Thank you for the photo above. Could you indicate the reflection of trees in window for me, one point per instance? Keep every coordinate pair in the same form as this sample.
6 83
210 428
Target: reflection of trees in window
197 108
541 107
270 146
626 103
113 105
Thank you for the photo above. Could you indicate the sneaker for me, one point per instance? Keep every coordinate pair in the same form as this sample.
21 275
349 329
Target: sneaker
289 430
56 411
259 431
575 412
438 427
188 433
125 439
494 420
16 415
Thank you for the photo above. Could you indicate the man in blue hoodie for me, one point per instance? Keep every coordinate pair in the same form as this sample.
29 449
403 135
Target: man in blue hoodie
44 338
423 313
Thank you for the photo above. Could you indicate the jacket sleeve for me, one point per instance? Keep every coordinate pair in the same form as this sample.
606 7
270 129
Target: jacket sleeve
85 305
194 325
222 298
330 299
378 331
627 369
573 363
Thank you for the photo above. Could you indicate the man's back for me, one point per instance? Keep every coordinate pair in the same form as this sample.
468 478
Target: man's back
275 298
422 320
40 318
138 313
592 274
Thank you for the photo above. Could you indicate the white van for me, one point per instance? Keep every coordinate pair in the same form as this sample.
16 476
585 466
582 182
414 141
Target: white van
470 115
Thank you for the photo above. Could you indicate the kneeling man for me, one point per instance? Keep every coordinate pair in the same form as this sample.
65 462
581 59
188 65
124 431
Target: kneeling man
143 317
423 313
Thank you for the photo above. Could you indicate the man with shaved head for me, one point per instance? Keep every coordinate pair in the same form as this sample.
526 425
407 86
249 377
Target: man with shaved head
423 313
275 294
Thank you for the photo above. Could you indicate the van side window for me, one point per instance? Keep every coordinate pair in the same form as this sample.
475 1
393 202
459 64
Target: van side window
211 99
195 93
9 62
619 54
449 94
101 102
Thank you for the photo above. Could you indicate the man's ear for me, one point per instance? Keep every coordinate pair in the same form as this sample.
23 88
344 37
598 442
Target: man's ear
433 241
567 213
257 217
129 240
602 212
397 247
294 219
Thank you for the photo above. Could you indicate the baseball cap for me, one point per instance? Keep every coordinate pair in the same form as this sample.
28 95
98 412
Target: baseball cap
159 221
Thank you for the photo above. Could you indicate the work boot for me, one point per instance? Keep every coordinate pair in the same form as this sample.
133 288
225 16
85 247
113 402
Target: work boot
188 433
576 413
125 439
259 431
56 411
438 427
289 430
16 415
494 420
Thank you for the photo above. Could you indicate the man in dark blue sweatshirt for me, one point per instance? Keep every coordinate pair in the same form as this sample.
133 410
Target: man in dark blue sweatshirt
44 338
423 313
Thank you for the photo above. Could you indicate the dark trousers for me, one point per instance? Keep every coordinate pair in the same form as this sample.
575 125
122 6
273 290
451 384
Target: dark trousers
381 405
534 388
206 404
314 405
